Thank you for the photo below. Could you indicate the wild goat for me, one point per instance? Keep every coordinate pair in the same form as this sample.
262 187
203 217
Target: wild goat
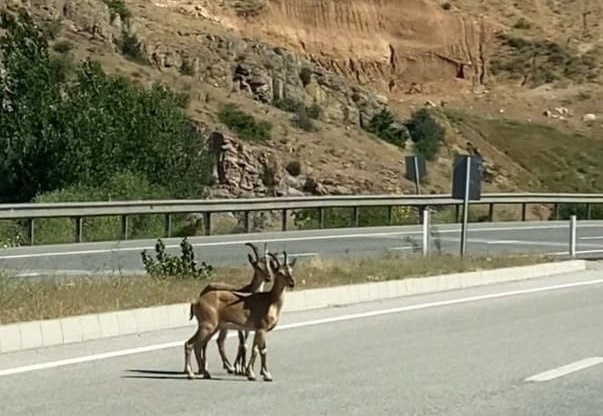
223 309
260 276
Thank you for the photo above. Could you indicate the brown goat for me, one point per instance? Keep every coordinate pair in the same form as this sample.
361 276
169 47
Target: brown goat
260 276
223 309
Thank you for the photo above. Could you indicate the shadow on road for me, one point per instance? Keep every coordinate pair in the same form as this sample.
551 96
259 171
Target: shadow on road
173 375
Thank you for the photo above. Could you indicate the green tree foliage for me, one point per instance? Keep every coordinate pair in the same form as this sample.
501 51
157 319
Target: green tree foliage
58 132
384 126
426 133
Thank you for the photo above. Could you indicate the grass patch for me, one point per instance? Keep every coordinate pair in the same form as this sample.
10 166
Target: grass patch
537 62
562 161
26 299
245 125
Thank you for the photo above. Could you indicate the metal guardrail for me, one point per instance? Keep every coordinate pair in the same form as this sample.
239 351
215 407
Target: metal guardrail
80 210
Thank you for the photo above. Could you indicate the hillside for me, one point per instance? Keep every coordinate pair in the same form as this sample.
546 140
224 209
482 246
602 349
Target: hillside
494 73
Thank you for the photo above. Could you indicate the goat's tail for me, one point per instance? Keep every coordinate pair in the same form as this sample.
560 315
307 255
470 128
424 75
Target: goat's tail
190 313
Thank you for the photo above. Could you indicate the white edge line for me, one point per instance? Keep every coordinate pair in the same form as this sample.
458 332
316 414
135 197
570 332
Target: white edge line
566 369
138 350
281 239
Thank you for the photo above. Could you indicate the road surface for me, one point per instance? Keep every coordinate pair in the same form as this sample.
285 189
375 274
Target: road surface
483 238
534 348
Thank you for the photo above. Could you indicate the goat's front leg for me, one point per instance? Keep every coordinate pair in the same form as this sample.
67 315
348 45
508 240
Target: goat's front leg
259 345
241 360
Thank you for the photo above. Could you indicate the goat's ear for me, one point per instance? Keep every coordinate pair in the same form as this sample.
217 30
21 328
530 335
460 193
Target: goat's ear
251 260
292 262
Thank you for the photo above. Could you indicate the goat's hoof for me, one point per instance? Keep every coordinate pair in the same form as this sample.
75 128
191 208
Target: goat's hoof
267 377
206 376
191 376
250 376
229 369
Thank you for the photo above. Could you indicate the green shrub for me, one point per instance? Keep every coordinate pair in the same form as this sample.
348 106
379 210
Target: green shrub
62 46
131 47
118 8
244 125
426 133
383 125
166 265
294 168
305 74
302 120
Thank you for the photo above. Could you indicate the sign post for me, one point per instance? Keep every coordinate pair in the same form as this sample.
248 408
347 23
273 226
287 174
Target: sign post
416 170
466 185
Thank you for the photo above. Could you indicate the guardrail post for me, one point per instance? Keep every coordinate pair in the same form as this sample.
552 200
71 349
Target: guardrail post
572 235
78 229
31 231
246 221
523 211
168 225
589 212
491 213
426 227
284 220
207 222
356 216
124 227
390 215
556 211
321 218
457 212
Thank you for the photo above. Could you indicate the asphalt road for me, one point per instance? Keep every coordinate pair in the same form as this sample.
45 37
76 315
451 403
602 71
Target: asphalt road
483 238
471 356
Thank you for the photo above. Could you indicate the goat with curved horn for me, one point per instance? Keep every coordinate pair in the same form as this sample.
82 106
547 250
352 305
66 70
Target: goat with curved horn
261 275
259 312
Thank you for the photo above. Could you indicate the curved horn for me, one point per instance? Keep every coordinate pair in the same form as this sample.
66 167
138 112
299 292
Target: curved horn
286 258
255 250
278 263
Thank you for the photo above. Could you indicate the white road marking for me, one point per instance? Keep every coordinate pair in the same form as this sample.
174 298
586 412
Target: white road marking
399 248
130 351
562 253
303 255
284 239
596 237
566 369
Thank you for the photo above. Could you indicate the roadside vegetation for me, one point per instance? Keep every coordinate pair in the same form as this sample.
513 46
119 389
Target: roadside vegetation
70 132
26 299
563 161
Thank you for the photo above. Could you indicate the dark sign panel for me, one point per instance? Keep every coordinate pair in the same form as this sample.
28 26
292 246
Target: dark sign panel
459 177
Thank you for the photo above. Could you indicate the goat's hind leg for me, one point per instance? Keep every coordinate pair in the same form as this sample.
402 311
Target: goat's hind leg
220 341
198 341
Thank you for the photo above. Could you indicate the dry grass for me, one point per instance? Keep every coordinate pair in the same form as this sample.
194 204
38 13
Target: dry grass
24 300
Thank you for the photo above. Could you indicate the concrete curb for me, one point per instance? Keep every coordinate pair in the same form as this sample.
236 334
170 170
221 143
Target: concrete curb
44 333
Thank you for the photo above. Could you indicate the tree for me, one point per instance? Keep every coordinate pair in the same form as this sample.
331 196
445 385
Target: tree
426 133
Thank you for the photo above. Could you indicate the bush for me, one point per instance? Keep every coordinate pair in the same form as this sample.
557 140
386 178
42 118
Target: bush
118 8
305 74
302 120
166 265
62 46
383 125
131 47
123 186
244 125
294 168
426 133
